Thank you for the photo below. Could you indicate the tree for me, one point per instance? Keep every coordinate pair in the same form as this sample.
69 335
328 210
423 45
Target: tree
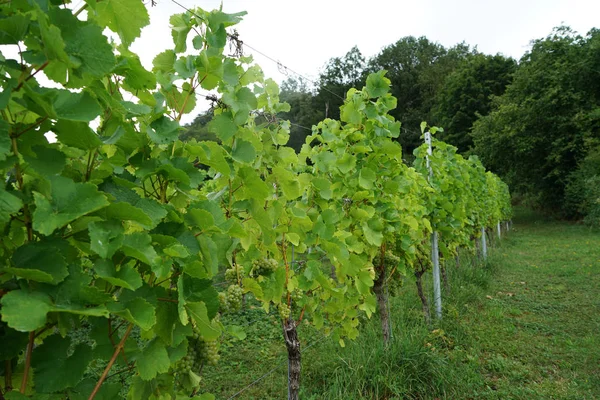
417 68
466 94
302 114
340 74
198 129
547 119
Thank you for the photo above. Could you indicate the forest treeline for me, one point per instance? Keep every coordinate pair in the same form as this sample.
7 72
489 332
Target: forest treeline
535 121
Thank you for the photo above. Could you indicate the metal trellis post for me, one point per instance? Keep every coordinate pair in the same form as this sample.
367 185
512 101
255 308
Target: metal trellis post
435 254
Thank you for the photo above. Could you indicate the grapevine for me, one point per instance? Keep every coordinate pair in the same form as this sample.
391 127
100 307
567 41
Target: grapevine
116 222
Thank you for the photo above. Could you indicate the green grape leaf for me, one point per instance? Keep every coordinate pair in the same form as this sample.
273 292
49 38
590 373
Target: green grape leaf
199 290
204 396
153 360
25 311
350 112
13 28
180 27
223 126
213 155
13 342
126 276
218 17
207 328
243 152
77 134
76 106
68 201
127 212
346 163
164 61
15 395
40 262
137 311
124 17
254 187
210 71
5 142
373 237
136 76
367 178
9 204
57 367
236 331
163 131
139 246
106 237
200 218
108 391
166 318
84 43
48 160
377 84
230 72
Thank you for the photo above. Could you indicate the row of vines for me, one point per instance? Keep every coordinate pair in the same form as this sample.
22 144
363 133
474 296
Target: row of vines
113 234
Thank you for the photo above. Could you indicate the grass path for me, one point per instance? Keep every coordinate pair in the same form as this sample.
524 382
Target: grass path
540 333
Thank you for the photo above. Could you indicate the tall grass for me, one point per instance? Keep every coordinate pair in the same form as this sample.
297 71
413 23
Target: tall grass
421 361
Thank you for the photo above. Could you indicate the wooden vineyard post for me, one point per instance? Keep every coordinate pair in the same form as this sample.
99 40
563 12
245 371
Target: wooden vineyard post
435 254
499 231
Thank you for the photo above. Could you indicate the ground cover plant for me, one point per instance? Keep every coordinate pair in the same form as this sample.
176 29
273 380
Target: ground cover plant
125 249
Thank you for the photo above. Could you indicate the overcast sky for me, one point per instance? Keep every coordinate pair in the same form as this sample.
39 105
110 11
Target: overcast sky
303 35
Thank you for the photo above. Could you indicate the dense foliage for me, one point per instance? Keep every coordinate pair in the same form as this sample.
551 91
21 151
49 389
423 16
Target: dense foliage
535 123
115 234
541 130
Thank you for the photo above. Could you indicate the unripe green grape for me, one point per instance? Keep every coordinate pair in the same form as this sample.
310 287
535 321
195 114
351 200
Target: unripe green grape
209 350
223 302
284 311
234 274
234 297
264 266
296 295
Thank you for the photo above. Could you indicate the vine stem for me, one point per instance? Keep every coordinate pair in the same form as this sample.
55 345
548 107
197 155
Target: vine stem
35 125
20 85
112 341
187 97
19 176
287 269
27 362
7 376
111 362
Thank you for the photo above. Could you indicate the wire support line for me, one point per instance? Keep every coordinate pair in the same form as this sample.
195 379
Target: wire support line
278 365
279 63
286 68
300 126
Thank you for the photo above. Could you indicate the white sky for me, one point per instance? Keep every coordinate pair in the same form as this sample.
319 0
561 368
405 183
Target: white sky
303 35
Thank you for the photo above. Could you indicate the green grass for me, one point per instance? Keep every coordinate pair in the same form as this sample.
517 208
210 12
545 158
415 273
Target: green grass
527 326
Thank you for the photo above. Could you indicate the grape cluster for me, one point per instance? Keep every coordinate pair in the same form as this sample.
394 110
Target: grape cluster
231 300
296 295
389 259
234 297
284 311
209 351
200 352
264 266
234 274
191 362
